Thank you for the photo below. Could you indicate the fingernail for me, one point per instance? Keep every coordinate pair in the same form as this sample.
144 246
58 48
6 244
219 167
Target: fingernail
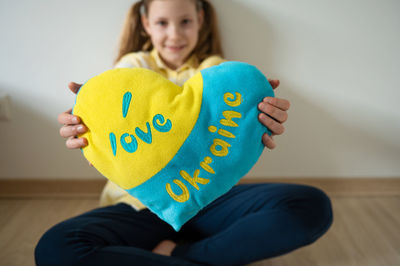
81 129
75 119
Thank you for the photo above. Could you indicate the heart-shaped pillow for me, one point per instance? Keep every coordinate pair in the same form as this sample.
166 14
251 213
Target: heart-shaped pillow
176 149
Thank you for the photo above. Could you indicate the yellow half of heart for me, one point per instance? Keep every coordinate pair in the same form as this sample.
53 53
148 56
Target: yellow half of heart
99 103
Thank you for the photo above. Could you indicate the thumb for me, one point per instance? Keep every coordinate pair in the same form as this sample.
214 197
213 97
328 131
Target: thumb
74 87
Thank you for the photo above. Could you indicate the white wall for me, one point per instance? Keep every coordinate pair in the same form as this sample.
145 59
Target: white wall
338 62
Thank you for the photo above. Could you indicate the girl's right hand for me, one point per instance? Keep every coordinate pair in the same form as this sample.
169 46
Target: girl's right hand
72 125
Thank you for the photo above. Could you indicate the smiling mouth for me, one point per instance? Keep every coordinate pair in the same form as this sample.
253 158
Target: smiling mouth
175 48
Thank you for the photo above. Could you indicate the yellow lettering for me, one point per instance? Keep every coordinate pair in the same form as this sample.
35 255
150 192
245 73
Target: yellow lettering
195 179
205 165
224 148
225 133
179 198
212 129
221 131
228 118
235 102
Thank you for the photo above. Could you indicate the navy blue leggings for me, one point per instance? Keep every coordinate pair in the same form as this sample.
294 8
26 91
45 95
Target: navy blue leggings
250 222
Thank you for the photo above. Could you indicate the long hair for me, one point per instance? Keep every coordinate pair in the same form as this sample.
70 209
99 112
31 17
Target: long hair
134 38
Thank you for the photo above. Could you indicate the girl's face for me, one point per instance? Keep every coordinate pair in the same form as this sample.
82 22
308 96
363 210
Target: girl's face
173 26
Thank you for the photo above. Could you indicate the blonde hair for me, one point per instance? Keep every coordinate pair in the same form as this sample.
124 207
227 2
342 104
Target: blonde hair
134 38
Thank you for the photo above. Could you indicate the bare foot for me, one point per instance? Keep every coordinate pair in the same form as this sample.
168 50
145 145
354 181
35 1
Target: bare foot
165 247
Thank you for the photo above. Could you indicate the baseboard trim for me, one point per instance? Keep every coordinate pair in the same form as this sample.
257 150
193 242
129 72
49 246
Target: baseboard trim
359 186
91 188
51 188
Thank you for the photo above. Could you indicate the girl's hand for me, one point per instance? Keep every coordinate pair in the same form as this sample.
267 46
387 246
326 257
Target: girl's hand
274 114
71 125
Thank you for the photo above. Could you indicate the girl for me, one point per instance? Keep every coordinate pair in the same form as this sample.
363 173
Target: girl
177 38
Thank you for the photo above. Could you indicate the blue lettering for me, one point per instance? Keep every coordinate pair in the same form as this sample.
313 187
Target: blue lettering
159 127
126 101
130 147
113 142
146 137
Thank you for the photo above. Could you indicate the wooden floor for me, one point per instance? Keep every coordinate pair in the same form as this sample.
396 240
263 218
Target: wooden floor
366 231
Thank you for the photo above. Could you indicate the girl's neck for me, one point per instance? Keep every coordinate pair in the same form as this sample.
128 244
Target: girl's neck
174 65
170 65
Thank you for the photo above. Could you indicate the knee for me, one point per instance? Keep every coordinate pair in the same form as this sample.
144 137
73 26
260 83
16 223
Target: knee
317 214
53 248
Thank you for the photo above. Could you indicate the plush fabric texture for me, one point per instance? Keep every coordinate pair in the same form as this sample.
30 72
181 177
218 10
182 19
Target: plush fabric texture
176 149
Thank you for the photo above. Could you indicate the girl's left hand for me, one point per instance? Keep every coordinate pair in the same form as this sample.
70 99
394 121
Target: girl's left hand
274 114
